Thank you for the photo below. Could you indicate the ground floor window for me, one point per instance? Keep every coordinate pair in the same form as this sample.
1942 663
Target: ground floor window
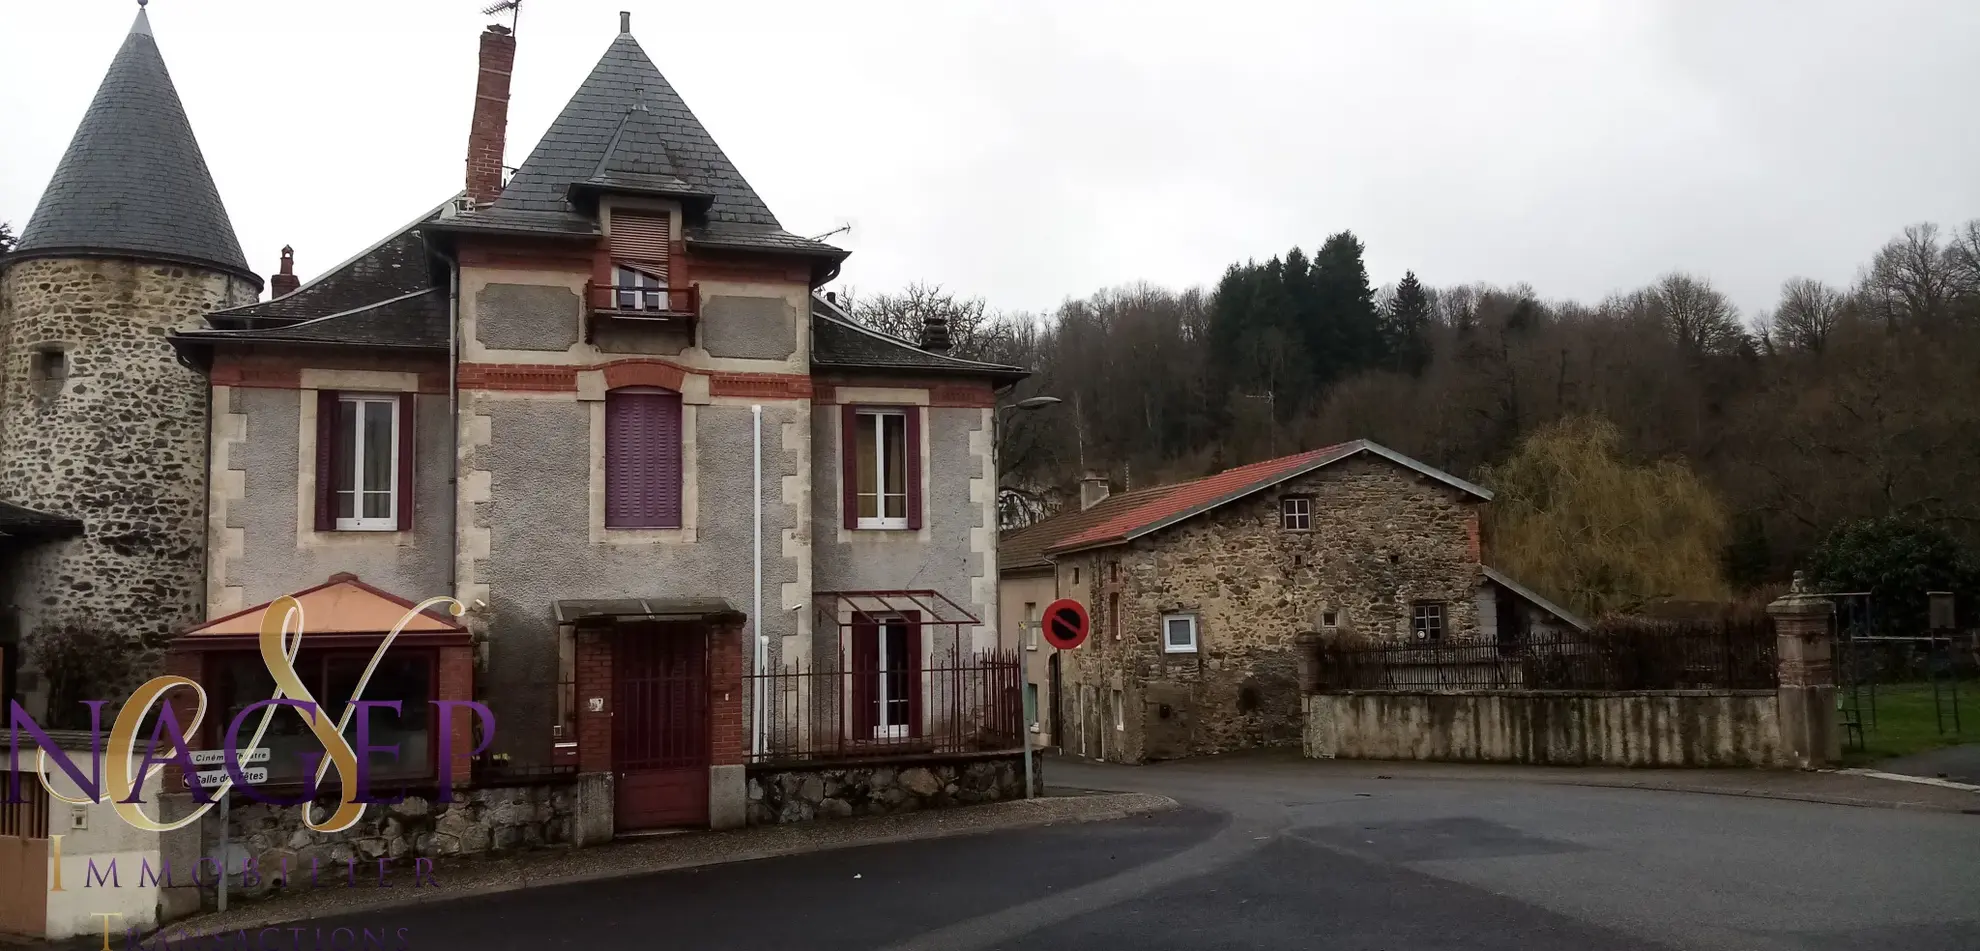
1427 620
1030 704
240 679
887 676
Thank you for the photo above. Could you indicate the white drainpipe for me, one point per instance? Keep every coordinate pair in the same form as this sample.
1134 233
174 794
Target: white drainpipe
756 613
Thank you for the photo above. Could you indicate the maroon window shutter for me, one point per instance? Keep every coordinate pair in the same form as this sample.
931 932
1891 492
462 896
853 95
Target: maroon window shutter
866 676
643 459
914 671
327 458
849 462
405 500
913 450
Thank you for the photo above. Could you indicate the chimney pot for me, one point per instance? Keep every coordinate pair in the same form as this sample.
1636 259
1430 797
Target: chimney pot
832 297
285 282
488 136
1093 490
935 333
625 21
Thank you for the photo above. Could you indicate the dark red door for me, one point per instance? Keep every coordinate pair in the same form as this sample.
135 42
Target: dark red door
660 729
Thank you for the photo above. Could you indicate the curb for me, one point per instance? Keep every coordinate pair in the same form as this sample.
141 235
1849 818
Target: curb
945 824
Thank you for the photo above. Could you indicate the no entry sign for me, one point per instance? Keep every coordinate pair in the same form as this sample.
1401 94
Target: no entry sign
1066 624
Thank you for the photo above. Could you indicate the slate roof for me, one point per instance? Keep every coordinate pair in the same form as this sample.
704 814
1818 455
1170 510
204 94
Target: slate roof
1167 505
133 181
626 128
392 294
19 521
1022 548
839 342
1505 581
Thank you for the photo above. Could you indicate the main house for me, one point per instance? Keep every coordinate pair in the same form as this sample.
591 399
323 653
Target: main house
1198 590
699 517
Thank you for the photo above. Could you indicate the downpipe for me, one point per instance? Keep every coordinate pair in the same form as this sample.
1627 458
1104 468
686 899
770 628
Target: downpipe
762 647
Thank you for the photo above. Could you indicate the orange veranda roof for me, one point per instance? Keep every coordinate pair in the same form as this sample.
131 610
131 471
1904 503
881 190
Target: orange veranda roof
342 605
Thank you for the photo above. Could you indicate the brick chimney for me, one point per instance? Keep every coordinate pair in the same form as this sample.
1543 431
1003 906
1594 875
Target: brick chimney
489 134
285 282
1093 490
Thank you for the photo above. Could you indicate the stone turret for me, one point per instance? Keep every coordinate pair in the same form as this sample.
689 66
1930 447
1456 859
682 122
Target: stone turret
99 422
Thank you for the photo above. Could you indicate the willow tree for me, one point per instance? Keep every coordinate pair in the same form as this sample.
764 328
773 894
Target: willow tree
1577 519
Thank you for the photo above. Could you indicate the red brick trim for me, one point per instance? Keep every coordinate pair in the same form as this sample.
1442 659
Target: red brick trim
283 371
1472 541
594 681
727 744
520 377
945 393
769 386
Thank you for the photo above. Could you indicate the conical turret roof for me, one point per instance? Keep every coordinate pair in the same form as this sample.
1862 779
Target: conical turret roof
133 182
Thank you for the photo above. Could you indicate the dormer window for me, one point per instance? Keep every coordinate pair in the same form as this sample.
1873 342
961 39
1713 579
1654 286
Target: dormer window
639 288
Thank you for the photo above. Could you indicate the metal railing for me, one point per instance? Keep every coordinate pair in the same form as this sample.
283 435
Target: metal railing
967 705
1627 654
632 301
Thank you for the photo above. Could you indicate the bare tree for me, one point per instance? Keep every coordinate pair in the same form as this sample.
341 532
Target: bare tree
904 314
1807 315
1912 280
1697 316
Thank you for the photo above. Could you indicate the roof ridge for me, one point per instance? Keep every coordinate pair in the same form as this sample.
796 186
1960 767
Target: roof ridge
850 322
217 332
347 262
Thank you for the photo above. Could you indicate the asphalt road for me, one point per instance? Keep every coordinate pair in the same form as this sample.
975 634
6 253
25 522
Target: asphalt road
1265 856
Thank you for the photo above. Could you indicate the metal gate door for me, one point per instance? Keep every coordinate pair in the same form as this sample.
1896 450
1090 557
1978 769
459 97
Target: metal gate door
660 729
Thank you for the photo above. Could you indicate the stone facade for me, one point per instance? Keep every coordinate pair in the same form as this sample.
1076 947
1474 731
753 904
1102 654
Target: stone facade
115 437
478 822
837 792
1383 539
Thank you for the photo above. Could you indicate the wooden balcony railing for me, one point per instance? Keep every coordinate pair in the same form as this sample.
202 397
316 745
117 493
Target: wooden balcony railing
672 309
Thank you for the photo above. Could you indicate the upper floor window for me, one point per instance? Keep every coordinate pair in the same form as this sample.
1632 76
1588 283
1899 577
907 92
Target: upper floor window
882 467
642 458
638 289
1427 620
1030 623
364 455
1296 513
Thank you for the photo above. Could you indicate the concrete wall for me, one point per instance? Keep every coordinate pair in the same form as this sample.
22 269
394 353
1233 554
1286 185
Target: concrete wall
1553 728
120 443
266 541
955 550
1383 537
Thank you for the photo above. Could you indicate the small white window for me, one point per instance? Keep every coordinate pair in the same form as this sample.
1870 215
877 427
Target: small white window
1030 625
881 448
368 463
1296 513
1179 634
638 289
1120 712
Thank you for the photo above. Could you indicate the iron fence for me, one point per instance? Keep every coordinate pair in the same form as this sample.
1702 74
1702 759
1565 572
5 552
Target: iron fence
1627 654
961 705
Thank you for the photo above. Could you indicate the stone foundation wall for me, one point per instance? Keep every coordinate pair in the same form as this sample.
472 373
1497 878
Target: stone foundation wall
1552 728
836 791
481 821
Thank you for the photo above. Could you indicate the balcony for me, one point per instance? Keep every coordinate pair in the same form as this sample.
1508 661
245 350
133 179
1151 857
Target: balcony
665 309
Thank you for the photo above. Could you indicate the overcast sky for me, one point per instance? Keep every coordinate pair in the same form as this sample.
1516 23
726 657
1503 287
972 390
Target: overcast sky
1034 150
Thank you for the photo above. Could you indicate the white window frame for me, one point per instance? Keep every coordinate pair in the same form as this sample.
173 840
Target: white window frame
1169 646
883 730
1418 611
1030 625
355 463
651 293
879 463
1296 513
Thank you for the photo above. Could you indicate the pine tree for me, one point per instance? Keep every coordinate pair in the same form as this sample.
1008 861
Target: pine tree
1407 330
6 237
1345 335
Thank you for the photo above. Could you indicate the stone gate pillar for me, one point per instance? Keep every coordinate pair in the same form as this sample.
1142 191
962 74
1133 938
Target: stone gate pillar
1804 626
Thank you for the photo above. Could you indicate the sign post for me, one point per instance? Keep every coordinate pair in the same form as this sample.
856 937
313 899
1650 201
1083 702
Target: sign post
1065 626
211 778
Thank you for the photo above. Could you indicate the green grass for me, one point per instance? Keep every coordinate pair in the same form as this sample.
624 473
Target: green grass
1904 722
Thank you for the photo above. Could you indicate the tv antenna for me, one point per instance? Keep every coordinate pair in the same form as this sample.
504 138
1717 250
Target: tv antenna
511 7
845 228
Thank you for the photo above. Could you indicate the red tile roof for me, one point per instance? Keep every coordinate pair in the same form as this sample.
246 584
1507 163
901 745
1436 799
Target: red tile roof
1159 507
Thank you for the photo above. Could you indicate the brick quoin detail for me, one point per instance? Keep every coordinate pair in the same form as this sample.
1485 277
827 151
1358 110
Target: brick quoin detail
456 682
727 746
594 679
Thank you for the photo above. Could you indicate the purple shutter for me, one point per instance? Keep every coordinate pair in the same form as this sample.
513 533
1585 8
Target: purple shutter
849 462
643 459
913 451
327 458
406 469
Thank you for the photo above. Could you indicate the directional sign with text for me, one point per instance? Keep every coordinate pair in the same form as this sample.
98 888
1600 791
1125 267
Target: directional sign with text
219 757
1066 624
210 778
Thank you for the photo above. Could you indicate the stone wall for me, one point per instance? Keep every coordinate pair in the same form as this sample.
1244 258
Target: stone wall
480 821
119 441
1383 538
837 791
1551 728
